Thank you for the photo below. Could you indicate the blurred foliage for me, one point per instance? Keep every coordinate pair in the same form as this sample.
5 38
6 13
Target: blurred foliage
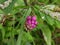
12 30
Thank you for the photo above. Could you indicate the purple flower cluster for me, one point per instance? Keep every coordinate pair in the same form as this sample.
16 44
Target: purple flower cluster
31 22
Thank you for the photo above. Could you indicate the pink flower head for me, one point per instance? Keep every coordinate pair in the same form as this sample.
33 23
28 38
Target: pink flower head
31 22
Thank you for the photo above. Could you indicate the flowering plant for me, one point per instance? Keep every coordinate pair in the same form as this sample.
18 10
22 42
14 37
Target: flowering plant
29 22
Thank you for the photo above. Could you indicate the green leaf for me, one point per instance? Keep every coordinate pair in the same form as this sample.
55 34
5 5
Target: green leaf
1 12
57 35
2 1
11 42
44 1
47 34
27 43
22 26
45 29
20 2
49 20
28 37
2 31
9 9
57 24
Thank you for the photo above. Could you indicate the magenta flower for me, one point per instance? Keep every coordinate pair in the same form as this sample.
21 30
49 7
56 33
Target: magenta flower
31 22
